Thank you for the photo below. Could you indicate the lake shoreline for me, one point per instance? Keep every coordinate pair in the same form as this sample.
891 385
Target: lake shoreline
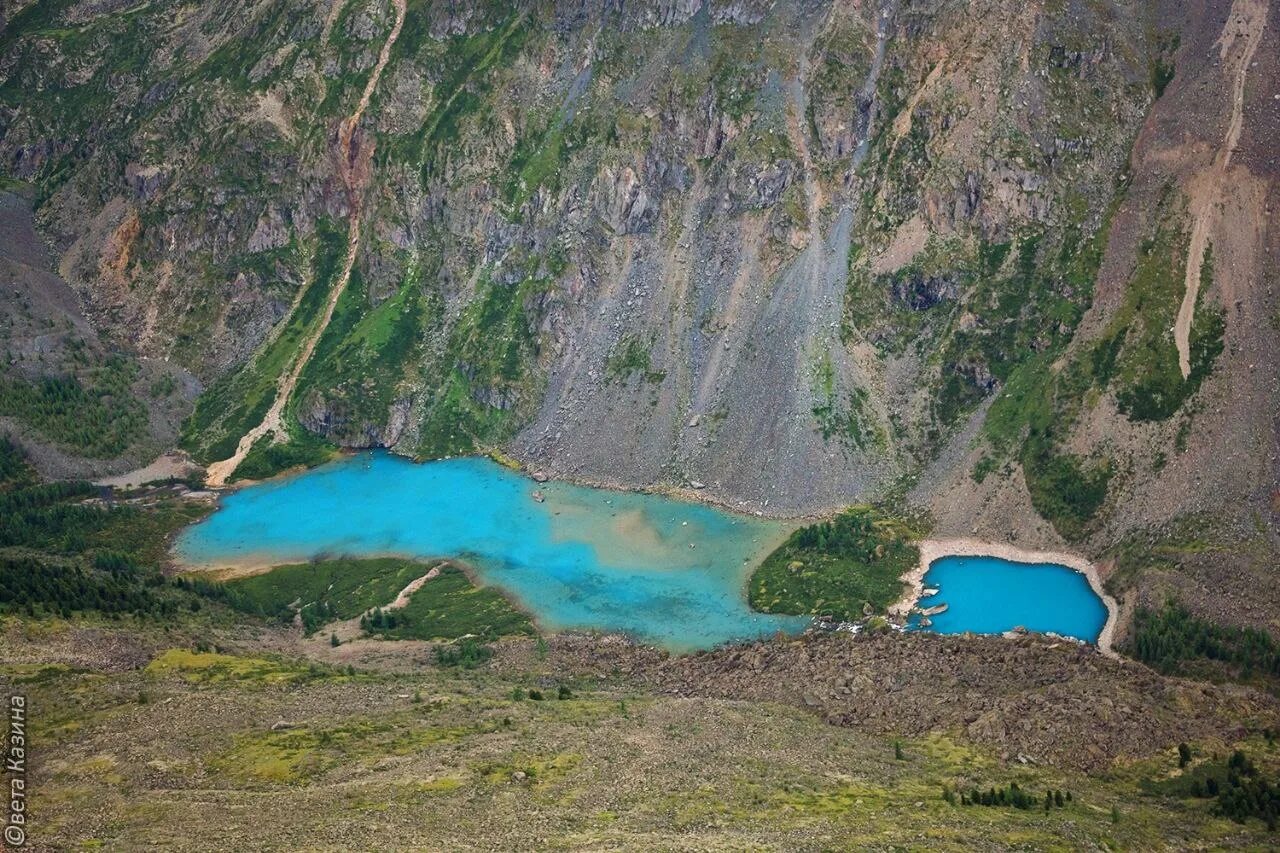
930 549
671 573
935 549
260 563
684 493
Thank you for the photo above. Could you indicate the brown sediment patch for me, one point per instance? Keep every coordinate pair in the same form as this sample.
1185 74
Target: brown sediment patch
261 562
270 108
118 251
907 242
934 549
634 526
1245 24
172 465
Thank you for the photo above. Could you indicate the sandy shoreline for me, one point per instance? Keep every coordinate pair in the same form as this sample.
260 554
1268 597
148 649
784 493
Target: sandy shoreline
259 563
933 549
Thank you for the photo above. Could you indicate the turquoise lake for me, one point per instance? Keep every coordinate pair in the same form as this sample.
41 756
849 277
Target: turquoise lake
665 571
989 595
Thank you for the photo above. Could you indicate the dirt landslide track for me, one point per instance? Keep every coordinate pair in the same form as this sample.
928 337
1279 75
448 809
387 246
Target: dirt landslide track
1239 42
355 157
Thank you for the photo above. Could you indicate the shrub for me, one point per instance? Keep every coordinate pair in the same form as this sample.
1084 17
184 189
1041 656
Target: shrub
467 653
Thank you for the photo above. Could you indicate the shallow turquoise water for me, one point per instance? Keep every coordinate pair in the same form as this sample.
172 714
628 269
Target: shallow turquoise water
666 571
988 595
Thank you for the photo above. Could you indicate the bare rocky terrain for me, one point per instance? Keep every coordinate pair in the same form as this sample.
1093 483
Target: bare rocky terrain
1033 700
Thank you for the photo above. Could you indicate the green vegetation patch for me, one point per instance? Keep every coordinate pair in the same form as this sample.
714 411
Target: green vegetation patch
849 420
630 357
1138 353
837 567
300 753
1065 488
991 321
486 379
215 668
62 552
840 72
537 159
1201 538
1176 642
1028 298
447 606
233 60
362 357
97 417
64 73
456 423
1028 420
450 606
1239 789
544 151
1039 401
1161 65
467 653
325 590
267 458
41 587
1011 796
467 63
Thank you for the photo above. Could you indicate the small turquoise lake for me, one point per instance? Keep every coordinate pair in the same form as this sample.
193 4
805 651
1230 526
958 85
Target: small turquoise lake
989 595
668 572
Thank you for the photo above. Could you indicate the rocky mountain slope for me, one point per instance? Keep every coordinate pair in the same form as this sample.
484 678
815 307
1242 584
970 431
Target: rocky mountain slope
89 399
1012 263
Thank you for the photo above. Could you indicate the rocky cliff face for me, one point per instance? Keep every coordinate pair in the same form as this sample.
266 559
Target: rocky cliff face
803 253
